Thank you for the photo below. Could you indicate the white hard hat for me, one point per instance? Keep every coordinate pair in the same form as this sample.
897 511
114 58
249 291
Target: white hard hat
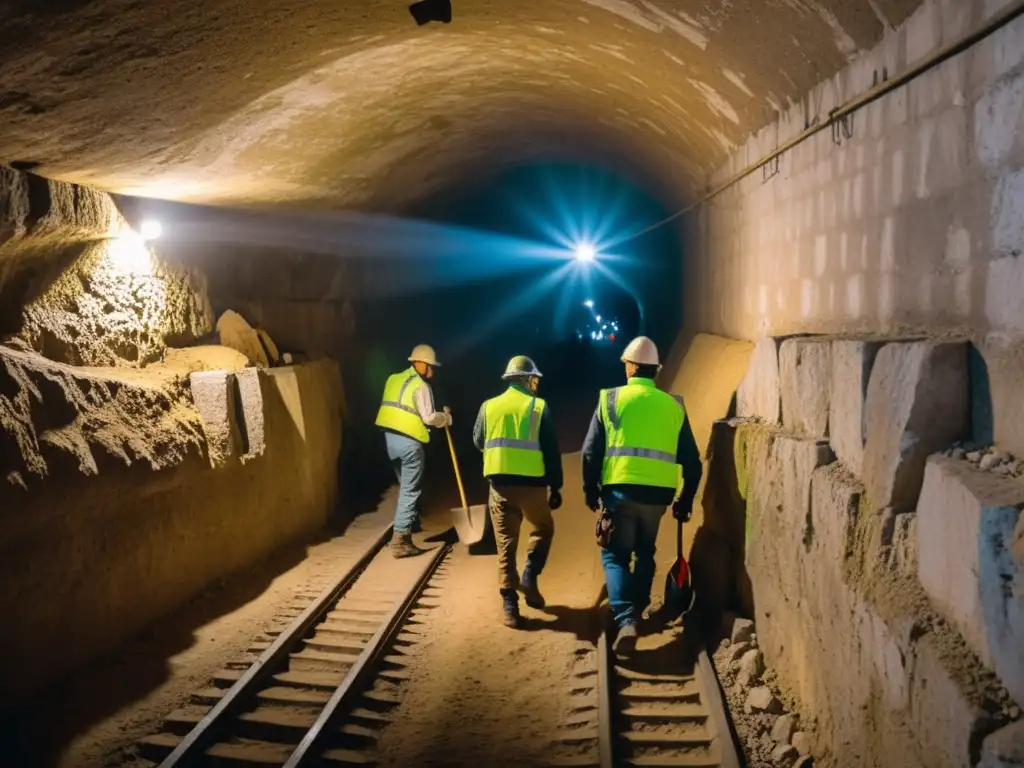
424 353
641 351
521 365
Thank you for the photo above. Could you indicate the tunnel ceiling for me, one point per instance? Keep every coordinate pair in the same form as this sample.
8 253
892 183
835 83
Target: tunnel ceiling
349 103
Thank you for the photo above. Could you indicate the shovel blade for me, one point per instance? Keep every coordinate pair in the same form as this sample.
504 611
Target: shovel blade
470 523
679 593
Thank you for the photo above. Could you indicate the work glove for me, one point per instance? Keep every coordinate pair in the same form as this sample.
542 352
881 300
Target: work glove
448 415
555 499
603 529
593 502
681 511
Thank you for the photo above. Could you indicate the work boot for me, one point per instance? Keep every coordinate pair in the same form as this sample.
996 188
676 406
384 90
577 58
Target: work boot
625 641
510 604
528 586
402 545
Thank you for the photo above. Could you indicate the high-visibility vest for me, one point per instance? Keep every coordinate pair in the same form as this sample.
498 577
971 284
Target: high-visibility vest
398 410
642 426
512 434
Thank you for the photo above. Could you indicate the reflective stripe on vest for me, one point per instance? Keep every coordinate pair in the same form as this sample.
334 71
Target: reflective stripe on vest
398 410
642 426
512 435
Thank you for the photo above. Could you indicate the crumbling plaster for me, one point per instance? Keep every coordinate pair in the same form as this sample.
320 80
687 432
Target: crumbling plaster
351 104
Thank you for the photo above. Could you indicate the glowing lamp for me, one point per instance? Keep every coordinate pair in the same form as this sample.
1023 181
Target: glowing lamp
589 303
584 252
151 229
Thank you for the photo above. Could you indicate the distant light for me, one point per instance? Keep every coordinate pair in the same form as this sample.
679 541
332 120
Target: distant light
589 303
611 337
604 327
598 318
151 229
584 252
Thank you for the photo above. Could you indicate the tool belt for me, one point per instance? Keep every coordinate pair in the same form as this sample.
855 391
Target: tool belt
603 529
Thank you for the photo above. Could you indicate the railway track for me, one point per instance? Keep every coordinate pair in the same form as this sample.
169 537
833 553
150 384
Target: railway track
651 717
322 687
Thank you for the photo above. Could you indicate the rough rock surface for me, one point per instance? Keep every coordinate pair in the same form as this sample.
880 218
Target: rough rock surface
210 357
758 394
1004 748
966 520
51 412
79 287
214 394
918 403
852 362
805 378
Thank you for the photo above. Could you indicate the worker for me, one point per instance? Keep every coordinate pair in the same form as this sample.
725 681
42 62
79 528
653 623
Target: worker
406 412
523 467
637 437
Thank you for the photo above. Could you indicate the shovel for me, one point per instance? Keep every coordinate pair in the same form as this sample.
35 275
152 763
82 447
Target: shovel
471 523
679 593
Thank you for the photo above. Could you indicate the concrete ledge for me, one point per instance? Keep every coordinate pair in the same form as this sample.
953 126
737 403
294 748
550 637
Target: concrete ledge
805 376
966 520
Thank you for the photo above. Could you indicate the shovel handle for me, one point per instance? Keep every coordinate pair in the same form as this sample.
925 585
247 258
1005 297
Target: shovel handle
679 540
455 463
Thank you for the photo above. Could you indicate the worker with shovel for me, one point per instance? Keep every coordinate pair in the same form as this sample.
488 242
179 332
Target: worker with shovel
638 437
523 466
406 412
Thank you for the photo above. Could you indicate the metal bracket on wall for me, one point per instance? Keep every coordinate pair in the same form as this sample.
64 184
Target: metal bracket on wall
770 169
842 128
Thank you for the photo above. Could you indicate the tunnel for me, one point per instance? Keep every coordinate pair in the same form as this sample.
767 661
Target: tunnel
224 228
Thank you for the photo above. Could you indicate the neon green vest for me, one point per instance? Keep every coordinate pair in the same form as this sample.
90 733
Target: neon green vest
398 409
642 426
512 434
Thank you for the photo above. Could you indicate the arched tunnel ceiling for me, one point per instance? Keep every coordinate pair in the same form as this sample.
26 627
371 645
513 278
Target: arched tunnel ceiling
349 103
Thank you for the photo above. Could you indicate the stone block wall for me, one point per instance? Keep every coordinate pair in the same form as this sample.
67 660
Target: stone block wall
885 577
908 223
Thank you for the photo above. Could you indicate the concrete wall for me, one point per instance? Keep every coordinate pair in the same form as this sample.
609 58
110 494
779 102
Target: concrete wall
88 561
913 223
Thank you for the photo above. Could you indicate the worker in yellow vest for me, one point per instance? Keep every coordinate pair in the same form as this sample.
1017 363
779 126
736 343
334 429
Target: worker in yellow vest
405 415
523 466
638 438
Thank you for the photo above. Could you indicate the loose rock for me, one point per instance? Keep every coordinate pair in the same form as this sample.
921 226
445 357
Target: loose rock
762 699
742 630
958 453
782 731
989 462
802 742
784 753
736 651
751 667
974 456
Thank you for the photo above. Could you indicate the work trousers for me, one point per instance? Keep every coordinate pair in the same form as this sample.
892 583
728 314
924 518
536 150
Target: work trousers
407 458
634 534
508 506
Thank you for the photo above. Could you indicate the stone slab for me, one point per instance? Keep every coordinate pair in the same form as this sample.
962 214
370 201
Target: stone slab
253 425
918 403
758 395
213 393
805 382
835 500
966 520
1005 360
852 362
233 331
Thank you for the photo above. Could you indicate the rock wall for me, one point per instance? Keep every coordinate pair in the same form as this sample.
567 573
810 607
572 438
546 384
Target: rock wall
886 578
79 286
904 220
90 560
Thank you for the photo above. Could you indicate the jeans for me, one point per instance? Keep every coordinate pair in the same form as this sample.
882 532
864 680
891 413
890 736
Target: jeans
508 506
635 532
407 458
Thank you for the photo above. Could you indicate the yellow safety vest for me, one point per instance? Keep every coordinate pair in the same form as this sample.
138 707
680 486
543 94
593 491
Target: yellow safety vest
642 426
398 410
512 435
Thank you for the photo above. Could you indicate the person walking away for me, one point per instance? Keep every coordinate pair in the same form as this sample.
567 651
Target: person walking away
637 438
523 466
405 415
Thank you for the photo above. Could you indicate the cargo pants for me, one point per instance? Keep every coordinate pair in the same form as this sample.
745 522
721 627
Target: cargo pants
508 506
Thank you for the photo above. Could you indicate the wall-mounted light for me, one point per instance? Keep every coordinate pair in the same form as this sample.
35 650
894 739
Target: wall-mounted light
129 254
151 229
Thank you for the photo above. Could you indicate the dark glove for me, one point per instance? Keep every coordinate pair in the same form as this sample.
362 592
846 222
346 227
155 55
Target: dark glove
681 511
603 529
555 499
593 502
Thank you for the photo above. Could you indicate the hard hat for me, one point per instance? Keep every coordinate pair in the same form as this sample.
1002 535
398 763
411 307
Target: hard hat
641 351
520 365
424 353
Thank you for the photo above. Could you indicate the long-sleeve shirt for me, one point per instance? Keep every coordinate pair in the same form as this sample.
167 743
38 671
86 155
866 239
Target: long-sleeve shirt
548 437
424 400
687 456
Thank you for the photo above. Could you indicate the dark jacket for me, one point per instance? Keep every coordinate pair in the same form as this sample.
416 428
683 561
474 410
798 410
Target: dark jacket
687 456
548 447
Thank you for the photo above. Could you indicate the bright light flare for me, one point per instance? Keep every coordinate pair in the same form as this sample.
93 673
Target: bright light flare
129 254
151 229
589 303
584 252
